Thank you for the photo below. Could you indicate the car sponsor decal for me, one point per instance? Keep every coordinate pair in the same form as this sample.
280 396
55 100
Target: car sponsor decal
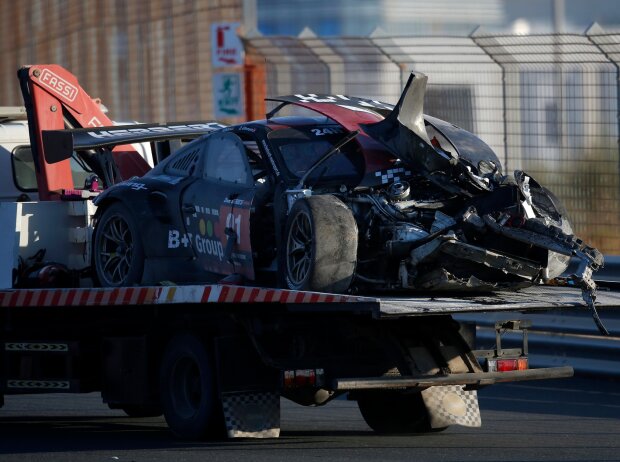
208 231
237 202
270 157
236 128
164 129
135 185
207 211
206 241
354 104
356 108
205 245
392 174
314 98
327 131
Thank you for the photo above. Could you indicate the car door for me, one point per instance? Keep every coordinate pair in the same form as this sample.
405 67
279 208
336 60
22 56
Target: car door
216 208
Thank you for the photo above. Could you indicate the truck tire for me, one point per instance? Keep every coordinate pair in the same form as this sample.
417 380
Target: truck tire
395 412
118 253
320 247
188 390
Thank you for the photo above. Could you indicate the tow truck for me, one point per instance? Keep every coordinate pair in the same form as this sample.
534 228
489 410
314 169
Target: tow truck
215 359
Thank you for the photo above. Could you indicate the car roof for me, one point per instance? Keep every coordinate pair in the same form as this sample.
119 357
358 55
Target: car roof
278 123
350 112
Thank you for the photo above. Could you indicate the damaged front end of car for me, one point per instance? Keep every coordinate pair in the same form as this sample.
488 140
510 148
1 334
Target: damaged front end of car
453 221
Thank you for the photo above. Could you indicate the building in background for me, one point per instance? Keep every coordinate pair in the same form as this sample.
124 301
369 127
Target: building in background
545 16
151 60
362 17
436 17
148 60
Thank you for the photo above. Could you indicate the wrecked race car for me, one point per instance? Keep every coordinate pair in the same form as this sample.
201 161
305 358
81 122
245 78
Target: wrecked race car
445 216
360 196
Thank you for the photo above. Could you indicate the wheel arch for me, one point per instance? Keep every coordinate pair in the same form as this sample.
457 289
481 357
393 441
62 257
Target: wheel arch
114 197
110 197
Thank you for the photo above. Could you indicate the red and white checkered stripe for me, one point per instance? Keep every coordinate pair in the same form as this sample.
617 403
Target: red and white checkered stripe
166 295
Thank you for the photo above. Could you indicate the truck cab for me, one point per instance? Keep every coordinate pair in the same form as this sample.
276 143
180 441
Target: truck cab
27 219
18 180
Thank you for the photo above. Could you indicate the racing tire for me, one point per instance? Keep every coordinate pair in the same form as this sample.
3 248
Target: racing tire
395 412
188 390
320 246
118 253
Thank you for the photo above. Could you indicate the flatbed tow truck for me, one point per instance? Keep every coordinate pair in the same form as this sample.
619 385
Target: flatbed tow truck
215 359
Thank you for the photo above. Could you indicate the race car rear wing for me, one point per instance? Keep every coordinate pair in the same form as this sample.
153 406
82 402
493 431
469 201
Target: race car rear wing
60 144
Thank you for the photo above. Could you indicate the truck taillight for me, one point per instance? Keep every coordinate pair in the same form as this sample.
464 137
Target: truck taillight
505 365
299 378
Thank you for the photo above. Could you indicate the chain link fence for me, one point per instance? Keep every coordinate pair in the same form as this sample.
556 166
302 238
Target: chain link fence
547 104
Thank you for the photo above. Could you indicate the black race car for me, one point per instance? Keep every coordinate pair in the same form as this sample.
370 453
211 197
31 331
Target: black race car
357 195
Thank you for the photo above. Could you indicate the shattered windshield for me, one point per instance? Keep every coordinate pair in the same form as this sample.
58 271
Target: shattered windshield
301 147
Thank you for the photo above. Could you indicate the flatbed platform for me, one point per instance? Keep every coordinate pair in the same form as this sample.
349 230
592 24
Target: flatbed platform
530 299
384 306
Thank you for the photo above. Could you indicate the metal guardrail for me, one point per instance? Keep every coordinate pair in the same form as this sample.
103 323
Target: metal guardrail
611 271
560 338
564 337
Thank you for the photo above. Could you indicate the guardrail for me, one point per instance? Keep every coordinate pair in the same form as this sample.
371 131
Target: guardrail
565 337
560 338
611 270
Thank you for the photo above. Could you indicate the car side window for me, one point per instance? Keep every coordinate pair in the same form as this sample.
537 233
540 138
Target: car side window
226 160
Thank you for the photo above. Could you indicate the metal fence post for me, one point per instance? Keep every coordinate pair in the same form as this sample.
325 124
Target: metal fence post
378 32
596 30
474 33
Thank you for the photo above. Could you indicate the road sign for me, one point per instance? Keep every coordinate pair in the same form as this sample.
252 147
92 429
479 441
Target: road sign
226 46
227 95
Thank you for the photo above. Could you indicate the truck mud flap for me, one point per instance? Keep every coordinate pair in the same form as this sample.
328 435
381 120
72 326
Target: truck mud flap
252 415
452 405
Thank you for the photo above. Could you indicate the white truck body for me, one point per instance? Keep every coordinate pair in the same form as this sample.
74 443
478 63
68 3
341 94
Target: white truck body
62 228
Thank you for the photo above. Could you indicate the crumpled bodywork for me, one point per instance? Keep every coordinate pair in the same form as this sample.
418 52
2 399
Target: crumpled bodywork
445 216
533 219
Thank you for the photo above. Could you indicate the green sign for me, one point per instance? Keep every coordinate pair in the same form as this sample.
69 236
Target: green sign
227 95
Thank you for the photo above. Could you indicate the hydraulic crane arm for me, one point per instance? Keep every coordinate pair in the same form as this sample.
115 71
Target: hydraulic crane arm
54 100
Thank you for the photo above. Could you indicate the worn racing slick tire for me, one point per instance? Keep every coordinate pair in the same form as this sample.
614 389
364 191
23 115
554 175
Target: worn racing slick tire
188 390
320 248
118 253
395 412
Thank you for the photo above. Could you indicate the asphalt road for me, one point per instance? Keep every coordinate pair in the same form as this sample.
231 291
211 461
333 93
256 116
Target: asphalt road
569 420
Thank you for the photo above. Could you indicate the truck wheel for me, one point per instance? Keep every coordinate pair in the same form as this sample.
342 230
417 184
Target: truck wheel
118 253
188 394
395 412
320 248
